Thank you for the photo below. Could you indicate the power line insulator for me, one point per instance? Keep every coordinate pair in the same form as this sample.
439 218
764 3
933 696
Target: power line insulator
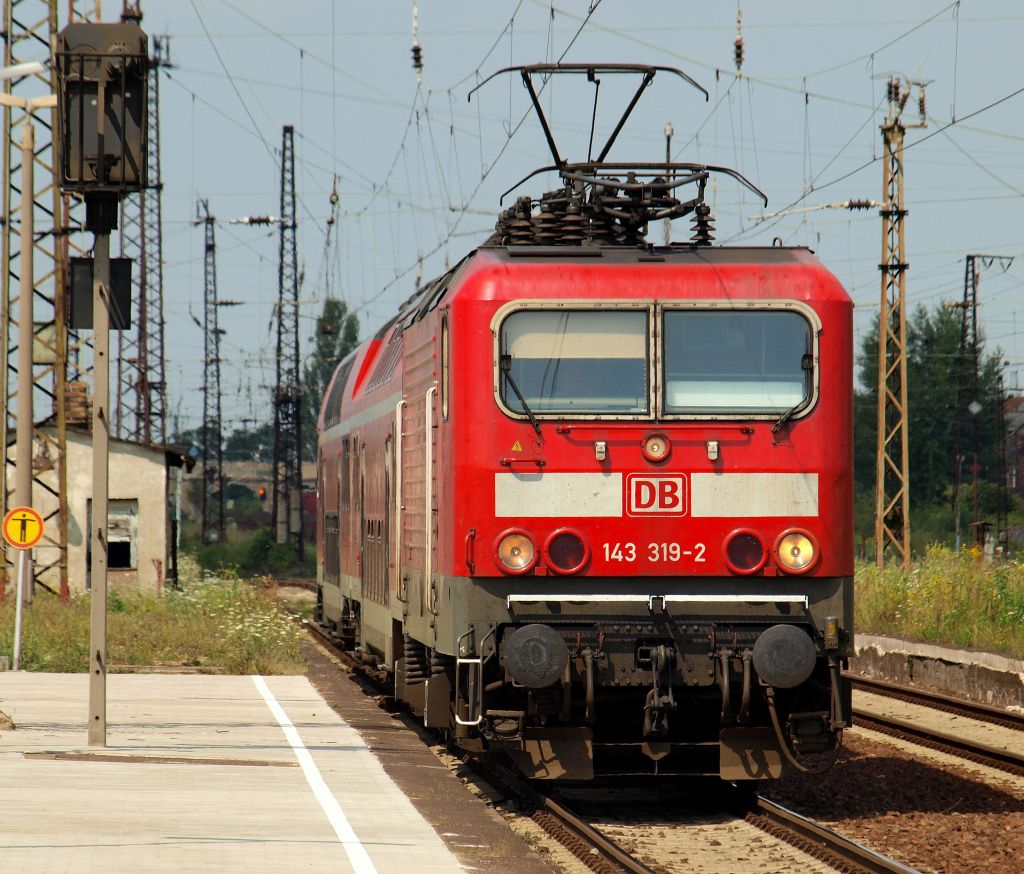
738 43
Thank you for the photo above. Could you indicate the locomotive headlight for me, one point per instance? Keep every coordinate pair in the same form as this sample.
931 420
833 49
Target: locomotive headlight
566 551
796 551
745 552
656 447
515 552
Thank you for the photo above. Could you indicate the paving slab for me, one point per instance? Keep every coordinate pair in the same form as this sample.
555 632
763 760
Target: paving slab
199 774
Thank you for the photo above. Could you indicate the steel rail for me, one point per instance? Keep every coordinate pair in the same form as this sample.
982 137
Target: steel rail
819 836
974 751
593 836
939 701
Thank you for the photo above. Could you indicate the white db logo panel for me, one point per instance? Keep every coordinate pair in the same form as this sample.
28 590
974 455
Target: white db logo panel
655 495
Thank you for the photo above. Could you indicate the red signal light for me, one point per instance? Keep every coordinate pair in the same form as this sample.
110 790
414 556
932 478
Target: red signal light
745 552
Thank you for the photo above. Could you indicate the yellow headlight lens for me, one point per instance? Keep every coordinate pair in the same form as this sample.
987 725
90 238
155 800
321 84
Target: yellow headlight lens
516 552
796 552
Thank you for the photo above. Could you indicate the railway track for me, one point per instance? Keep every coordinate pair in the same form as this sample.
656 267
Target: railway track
604 855
939 701
1006 760
821 842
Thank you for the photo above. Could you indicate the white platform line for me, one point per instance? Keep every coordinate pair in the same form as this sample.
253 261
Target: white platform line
354 848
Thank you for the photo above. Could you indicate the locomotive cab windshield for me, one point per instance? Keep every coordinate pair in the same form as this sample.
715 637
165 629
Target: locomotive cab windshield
576 361
741 361
735 361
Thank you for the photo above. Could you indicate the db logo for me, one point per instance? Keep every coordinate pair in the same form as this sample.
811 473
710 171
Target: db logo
656 495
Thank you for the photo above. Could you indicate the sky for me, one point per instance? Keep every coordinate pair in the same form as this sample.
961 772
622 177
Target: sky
419 169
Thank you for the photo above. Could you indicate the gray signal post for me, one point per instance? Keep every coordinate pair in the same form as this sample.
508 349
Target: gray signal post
102 66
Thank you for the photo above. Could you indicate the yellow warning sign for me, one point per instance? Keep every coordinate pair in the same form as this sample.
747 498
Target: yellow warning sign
23 527
517 446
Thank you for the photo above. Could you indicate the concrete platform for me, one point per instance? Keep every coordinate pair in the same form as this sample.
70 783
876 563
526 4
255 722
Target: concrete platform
200 774
974 675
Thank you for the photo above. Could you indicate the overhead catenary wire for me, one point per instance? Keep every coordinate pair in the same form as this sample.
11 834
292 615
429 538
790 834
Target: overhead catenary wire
274 157
429 203
487 171
910 145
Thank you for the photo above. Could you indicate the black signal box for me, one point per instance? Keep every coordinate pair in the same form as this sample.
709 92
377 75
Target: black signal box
80 298
102 147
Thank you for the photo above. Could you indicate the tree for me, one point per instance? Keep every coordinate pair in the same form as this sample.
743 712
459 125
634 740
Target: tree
250 444
337 334
933 357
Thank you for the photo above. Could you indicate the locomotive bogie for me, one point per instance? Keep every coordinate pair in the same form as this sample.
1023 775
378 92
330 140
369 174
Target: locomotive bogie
587 506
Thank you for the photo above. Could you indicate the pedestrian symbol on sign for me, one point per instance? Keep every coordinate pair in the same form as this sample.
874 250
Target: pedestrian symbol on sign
23 527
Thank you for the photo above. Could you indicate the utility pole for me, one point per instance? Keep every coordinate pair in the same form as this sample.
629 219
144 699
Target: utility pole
892 489
286 509
213 445
1002 508
141 403
967 391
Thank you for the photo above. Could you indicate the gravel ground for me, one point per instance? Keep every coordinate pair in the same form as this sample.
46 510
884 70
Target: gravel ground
706 845
933 813
683 825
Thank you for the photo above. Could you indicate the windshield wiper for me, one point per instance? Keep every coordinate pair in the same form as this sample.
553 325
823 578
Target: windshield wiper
786 416
506 369
806 365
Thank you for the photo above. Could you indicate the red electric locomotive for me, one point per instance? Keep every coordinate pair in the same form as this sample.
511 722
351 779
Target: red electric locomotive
590 498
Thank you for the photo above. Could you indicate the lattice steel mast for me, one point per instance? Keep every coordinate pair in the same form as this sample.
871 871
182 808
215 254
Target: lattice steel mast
28 27
140 412
286 510
892 491
968 392
213 446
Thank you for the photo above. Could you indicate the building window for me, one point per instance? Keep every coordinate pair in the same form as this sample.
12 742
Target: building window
122 534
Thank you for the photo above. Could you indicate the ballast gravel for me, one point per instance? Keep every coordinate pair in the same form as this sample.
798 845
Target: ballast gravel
930 812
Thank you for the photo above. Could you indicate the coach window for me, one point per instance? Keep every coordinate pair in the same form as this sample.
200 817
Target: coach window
736 362
343 474
575 361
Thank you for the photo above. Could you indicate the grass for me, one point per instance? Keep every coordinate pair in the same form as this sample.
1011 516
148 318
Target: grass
946 598
236 626
223 623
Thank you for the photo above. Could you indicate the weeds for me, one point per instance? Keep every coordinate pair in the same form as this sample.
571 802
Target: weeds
945 598
225 624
